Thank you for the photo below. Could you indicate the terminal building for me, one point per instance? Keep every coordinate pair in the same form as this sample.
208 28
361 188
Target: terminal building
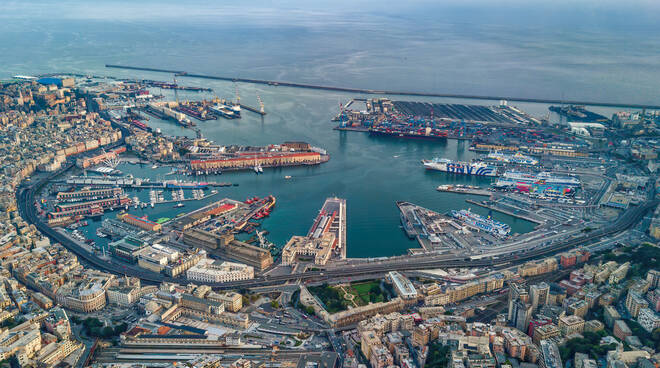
226 247
318 249
208 270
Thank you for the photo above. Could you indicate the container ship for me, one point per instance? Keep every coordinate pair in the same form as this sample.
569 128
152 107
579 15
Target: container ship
487 224
514 178
409 132
458 167
517 158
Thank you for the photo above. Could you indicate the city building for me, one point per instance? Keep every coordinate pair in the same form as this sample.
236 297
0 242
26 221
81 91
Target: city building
621 330
648 319
635 302
545 332
550 355
611 315
571 324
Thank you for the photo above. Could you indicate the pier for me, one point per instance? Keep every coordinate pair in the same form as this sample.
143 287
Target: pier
253 109
506 212
387 92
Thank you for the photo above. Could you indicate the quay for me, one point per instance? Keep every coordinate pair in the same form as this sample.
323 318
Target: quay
506 212
386 92
184 199
130 182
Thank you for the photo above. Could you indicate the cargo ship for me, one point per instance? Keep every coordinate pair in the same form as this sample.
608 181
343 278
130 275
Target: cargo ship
514 178
517 158
479 222
458 167
409 132
175 184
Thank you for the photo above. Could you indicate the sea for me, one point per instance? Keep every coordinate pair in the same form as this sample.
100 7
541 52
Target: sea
588 50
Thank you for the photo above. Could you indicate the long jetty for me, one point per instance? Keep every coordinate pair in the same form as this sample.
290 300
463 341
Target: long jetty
388 92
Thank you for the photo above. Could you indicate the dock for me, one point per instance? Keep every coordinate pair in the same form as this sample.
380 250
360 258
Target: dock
332 218
506 212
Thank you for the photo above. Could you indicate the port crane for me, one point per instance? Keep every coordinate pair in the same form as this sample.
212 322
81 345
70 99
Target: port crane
176 92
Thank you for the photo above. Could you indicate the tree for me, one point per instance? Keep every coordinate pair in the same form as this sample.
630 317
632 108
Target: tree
107 332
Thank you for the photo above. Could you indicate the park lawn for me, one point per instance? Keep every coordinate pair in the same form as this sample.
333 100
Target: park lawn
363 291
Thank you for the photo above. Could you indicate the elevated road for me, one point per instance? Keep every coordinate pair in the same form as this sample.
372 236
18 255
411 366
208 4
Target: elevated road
502 257
26 205
386 92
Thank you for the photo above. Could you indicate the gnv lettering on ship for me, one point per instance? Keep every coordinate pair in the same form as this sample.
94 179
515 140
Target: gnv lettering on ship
460 169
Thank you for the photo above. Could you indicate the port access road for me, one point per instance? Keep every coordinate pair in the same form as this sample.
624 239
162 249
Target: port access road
502 257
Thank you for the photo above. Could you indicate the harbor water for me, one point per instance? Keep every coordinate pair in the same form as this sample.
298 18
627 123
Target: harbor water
372 173
476 48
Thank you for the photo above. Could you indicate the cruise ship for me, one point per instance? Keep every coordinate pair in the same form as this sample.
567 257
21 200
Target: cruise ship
514 178
517 158
487 224
228 112
458 167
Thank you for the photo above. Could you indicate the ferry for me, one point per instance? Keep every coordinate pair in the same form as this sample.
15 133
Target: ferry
517 158
514 178
487 224
458 167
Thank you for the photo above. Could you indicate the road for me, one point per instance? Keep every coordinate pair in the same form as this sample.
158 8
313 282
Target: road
501 257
